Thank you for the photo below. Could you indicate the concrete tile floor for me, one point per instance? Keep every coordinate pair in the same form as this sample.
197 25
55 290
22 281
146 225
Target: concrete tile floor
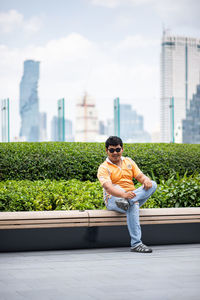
170 272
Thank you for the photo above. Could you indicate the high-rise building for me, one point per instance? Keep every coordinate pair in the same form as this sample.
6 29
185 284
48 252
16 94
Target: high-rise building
87 126
180 69
54 129
29 102
132 125
102 128
109 127
191 125
5 120
43 126
68 130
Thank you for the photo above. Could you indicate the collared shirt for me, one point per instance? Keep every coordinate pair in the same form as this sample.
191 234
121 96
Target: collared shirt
122 176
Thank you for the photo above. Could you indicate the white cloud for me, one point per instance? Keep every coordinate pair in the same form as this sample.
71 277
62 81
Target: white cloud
13 20
179 12
107 3
71 48
33 25
172 13
137 41
115 3
10 20
170 5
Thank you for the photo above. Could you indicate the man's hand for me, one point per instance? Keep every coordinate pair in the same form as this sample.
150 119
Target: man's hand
129 195
146 181
118 192
147 184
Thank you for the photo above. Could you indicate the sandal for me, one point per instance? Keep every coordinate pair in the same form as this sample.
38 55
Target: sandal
141 249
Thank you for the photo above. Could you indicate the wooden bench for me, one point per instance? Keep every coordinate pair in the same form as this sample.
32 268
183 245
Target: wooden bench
61 230
95 218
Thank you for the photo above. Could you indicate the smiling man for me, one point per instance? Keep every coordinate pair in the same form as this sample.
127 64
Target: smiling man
116 175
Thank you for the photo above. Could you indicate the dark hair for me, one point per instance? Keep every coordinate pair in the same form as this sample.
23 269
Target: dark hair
113 141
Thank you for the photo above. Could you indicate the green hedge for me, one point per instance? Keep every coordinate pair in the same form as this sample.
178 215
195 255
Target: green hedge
74 194
39 195
176 192
57 160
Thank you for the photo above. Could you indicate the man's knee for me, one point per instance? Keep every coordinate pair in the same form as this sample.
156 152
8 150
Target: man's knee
154 185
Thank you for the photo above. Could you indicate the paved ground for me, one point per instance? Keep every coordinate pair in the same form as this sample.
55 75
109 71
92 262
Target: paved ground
170 272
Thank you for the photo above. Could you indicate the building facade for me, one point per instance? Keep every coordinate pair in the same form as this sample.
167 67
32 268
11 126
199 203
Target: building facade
68 130
54 129
29 102
132 126
87 126
43 127
180 69
191 125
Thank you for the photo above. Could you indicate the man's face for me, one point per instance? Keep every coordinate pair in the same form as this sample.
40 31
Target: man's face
114 153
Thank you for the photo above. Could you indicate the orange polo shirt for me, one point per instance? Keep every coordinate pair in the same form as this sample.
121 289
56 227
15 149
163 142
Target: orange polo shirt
121 176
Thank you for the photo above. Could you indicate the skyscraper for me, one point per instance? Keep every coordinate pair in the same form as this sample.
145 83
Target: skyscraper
29 102
191 125
54 129
86 120
68 130
180 72
43 126
132 125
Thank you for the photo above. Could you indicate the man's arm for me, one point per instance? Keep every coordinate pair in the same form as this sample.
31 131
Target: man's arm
110 189
146 181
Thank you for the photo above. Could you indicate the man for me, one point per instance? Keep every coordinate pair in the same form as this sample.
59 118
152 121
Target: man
115 175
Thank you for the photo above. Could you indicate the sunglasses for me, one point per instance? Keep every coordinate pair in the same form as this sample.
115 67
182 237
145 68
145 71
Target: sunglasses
112 150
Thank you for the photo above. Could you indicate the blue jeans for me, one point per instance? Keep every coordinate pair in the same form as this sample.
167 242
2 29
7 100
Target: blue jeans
132 213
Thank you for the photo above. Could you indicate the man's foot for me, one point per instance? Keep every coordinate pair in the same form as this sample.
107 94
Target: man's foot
142 249
122 203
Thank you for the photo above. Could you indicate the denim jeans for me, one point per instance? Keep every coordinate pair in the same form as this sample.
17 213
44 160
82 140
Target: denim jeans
132 213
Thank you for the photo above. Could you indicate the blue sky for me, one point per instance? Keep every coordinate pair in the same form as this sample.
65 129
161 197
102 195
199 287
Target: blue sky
108 48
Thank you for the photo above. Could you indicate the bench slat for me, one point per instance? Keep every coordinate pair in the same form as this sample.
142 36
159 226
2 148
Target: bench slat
146 218
54 225
143 222
171 221
170 211
170 217
46 221
150 212
43 214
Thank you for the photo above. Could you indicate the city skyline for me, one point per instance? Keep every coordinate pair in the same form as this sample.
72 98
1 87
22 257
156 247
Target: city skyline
108 48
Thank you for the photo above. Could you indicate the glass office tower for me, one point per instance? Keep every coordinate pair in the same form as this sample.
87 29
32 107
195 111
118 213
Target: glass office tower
132 126
29 102
180 74
191 125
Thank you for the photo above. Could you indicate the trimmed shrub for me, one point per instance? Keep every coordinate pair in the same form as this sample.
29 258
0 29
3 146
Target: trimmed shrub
176 192
59 160
38 161
39 195
77 195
